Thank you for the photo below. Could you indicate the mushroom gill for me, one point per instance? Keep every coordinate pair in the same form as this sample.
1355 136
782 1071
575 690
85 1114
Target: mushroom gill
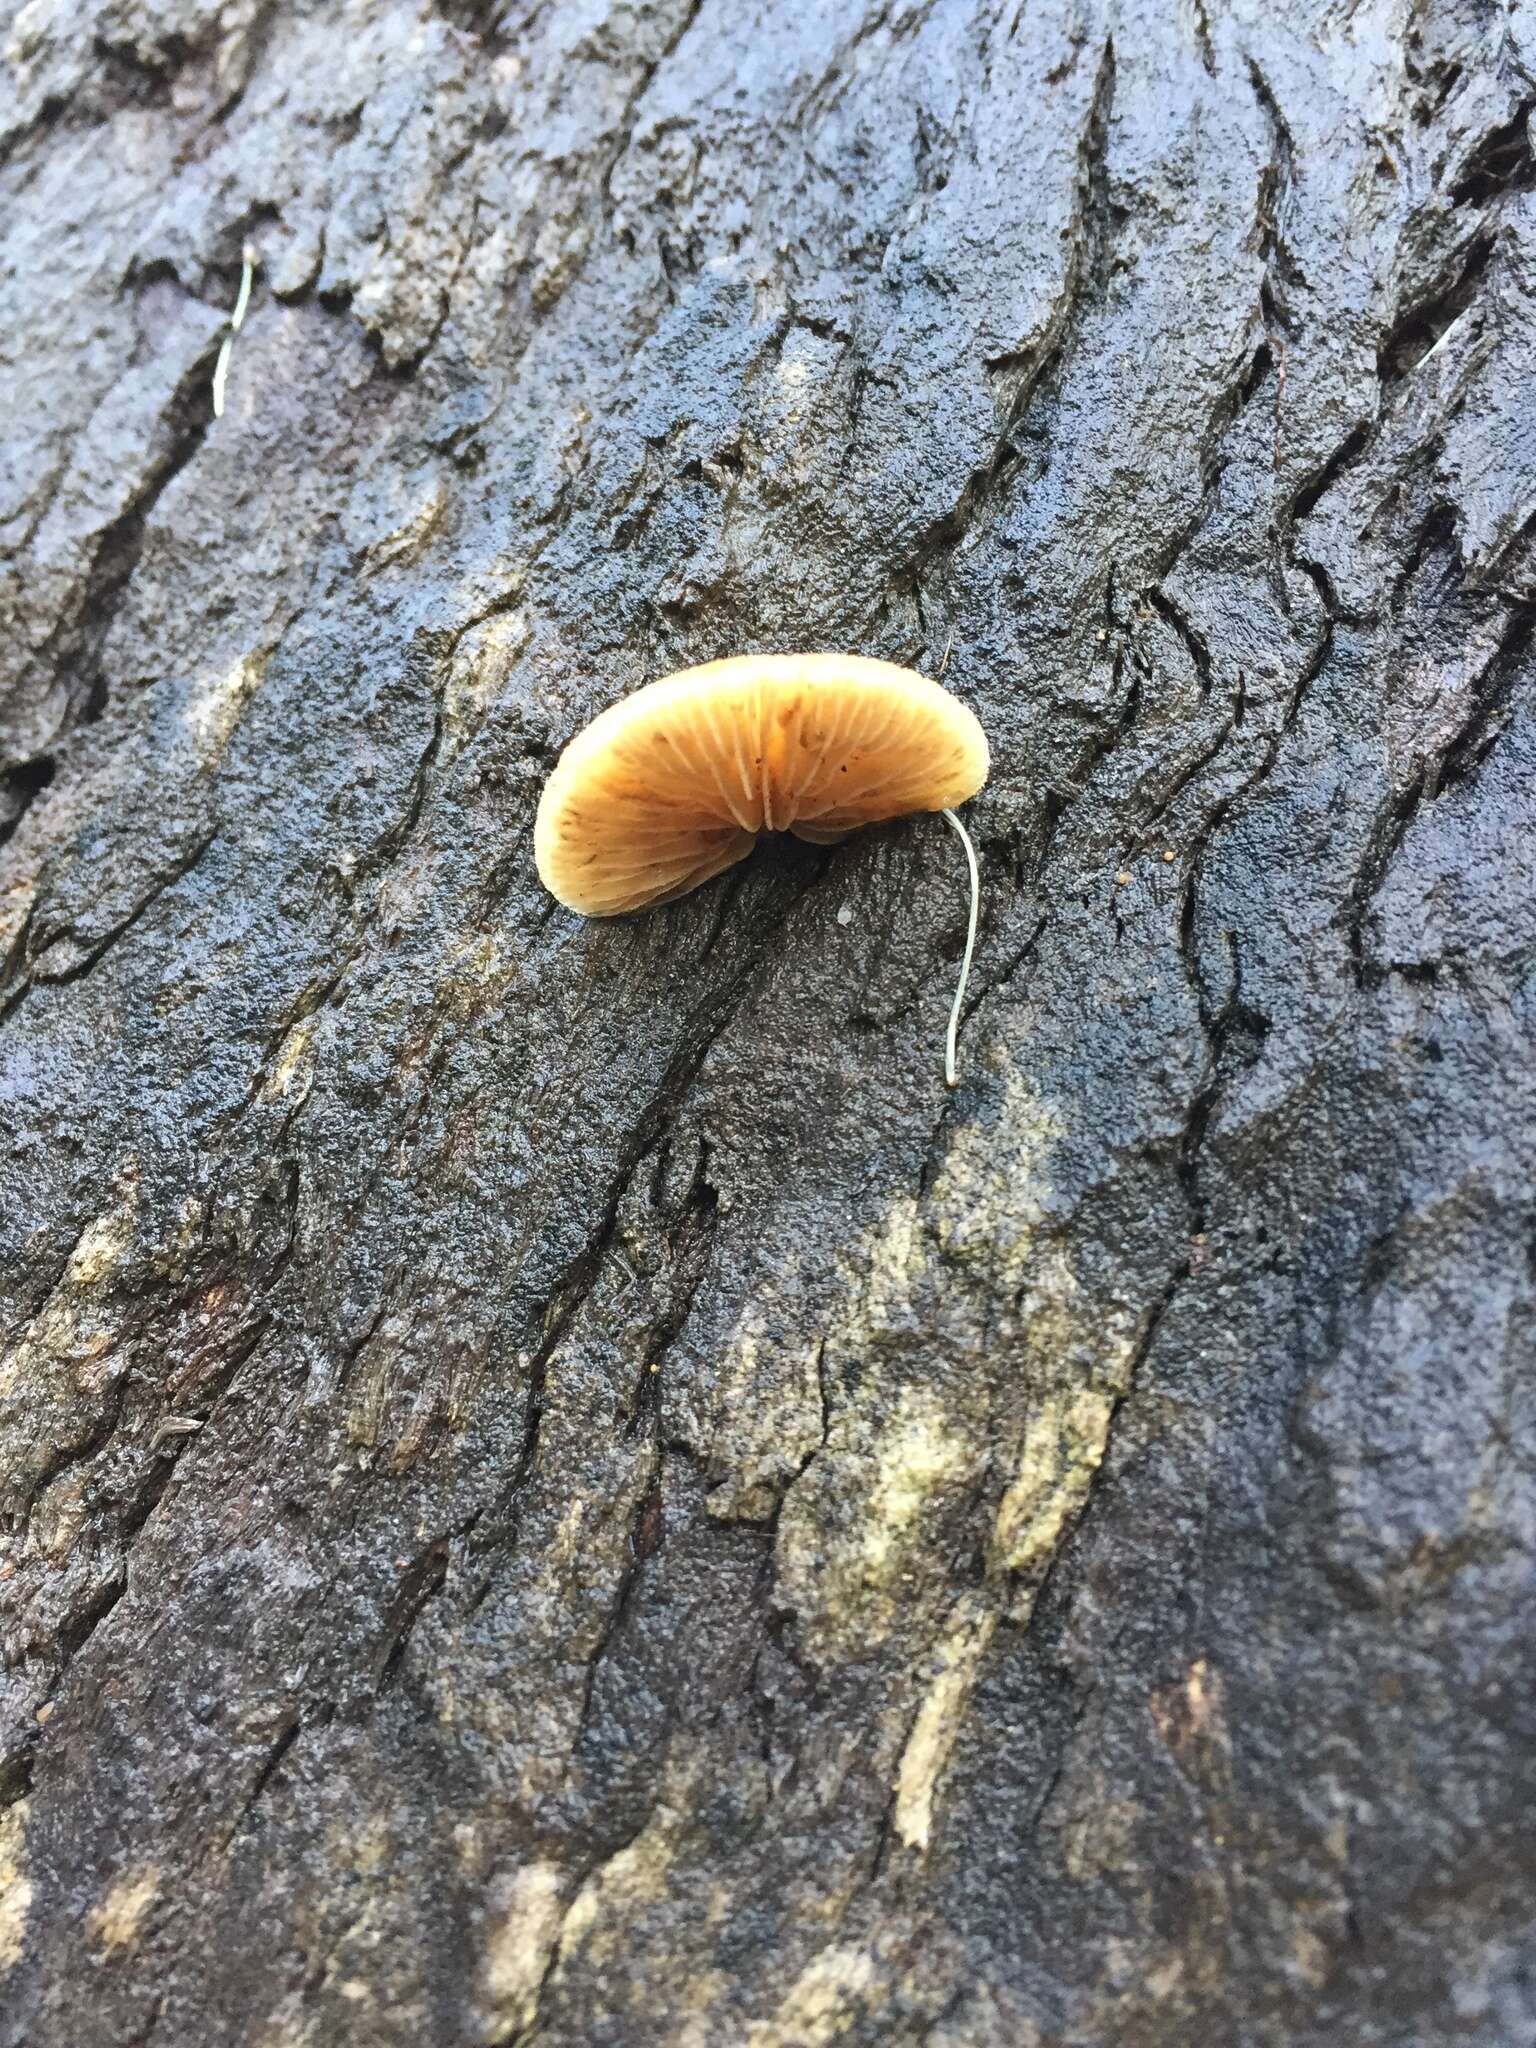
674 783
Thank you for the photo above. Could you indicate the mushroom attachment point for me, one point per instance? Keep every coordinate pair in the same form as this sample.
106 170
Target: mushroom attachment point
674 783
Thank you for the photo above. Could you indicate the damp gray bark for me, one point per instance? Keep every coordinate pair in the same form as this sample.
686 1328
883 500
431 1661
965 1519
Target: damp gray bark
559 1488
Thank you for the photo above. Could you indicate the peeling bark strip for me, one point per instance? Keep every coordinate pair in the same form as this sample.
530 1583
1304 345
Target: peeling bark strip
558 1488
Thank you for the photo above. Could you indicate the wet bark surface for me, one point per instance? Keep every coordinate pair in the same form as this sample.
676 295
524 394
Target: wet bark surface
558 1486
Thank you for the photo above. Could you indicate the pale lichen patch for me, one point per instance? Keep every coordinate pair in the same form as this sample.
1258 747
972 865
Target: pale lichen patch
482 661
215 710
1064 1444
1098 1836
1079 1362
895 1252
61 1512
118 1920
54 1377
988 1199
600 1915
833 1991
292 1071
956 1342
917 1458
856 1530
15 1884
766 1416
522 1928
955 1663
766 1404
103 1244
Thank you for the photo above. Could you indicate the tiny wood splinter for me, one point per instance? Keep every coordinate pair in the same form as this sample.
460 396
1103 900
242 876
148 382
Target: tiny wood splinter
674 783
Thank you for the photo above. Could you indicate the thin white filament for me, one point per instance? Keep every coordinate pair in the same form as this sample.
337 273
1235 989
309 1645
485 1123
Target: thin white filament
950 1075
220 372
243 298
236 322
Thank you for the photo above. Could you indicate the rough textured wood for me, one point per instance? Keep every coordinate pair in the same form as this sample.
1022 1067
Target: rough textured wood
560 1488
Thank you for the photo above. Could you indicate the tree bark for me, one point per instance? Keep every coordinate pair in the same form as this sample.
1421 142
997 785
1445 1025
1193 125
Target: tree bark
559 1488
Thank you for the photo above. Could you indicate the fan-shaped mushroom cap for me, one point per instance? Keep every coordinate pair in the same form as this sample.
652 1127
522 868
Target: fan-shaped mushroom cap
674 783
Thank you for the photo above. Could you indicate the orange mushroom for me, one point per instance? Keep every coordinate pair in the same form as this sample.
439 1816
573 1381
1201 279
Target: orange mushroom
674 783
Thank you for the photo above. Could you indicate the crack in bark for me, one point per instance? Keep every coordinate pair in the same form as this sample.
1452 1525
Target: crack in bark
81 967
125 78
1421 326
74 649
162 1463
1194 644
20 787
630 111
421 1582
1184 778
287 1737
576 1289
618 1613
1090 232
1452 763
1502 162
1276 183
